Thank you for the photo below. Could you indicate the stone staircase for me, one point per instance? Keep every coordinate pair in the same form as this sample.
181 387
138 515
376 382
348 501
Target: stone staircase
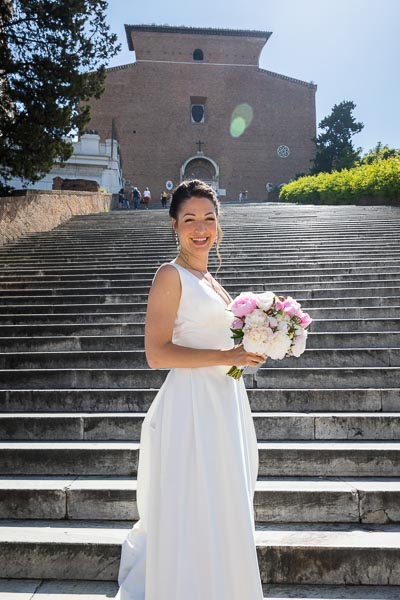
75 387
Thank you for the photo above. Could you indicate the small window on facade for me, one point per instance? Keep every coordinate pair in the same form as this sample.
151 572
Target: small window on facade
197 113
198 54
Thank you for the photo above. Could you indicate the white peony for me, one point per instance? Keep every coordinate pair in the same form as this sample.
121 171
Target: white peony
285 317
257 318
278 346
273 321
256 339
283 326
301 331
299 342
265 300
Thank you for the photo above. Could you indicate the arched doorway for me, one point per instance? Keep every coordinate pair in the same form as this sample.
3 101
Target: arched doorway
201 167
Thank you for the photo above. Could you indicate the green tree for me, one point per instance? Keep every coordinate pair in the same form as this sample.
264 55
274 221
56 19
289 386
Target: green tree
334 146
53 55
379 152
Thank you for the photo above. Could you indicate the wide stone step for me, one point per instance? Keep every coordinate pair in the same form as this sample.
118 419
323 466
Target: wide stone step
11 270
258 243
258 258
354 235
287 554
341 357
277 458
238 263
353 339
370 310
330 376
148 267
267 238
58 331
47 589
70 317
224 274
353 325
122 359
269 426
50 589
131 293
24 323
100 342
66 315
100 315
73 311
86 243
126 358
275 500
255 281
139 400
75 343
276 377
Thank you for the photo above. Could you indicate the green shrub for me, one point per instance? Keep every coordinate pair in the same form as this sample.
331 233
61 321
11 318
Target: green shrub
378 179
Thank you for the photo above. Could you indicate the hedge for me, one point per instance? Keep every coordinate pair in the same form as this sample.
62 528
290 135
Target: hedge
379 179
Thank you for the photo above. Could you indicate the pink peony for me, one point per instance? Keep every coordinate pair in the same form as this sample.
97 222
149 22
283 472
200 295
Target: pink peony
244 304
237 324
290 306
305 319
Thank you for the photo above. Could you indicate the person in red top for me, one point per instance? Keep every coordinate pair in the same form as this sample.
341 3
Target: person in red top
146 198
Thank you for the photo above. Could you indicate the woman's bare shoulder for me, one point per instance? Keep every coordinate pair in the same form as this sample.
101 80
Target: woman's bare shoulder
166 276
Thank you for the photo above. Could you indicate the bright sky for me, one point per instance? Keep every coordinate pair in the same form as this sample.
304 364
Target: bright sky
349 48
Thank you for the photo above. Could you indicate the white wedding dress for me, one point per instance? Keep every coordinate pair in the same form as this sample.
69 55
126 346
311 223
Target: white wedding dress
197 471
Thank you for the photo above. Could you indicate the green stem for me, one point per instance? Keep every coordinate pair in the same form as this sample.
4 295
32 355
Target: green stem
235 372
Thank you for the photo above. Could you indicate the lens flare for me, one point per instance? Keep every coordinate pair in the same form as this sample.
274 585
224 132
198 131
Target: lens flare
241 118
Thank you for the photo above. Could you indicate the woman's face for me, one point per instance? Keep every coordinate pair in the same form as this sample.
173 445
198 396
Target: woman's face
196 225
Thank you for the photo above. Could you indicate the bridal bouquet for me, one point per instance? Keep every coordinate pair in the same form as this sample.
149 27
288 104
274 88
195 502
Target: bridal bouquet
268 324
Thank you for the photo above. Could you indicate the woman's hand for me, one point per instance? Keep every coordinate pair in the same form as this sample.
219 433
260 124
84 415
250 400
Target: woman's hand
238 356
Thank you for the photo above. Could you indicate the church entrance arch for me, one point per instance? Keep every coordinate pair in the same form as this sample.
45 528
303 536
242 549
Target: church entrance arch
201 167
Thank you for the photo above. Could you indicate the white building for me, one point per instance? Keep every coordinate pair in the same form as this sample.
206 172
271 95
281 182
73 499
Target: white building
92 160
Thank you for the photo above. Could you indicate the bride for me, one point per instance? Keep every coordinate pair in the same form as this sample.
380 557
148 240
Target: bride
198 458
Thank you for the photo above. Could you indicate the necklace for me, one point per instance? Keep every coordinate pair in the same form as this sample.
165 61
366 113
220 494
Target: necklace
204 273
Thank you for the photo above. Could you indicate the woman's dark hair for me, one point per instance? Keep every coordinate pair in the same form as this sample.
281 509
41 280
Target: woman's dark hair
195 188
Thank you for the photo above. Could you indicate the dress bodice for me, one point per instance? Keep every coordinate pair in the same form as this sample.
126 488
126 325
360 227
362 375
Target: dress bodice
202 319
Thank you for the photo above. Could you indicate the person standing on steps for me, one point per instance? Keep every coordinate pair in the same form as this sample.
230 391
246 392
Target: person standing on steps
164 198
121 198
146 198
136 197
198 460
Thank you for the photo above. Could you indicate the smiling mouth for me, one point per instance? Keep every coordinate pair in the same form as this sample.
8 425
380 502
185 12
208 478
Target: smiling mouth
200 241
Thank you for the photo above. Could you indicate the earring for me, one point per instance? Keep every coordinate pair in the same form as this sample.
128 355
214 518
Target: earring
178 245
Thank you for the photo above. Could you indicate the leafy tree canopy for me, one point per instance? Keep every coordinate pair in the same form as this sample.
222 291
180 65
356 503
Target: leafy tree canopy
380 152
53 55
334 146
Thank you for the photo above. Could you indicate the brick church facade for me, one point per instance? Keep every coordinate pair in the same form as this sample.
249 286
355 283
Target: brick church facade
196 104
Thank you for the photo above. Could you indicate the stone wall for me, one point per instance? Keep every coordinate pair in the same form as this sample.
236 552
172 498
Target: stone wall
33 211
